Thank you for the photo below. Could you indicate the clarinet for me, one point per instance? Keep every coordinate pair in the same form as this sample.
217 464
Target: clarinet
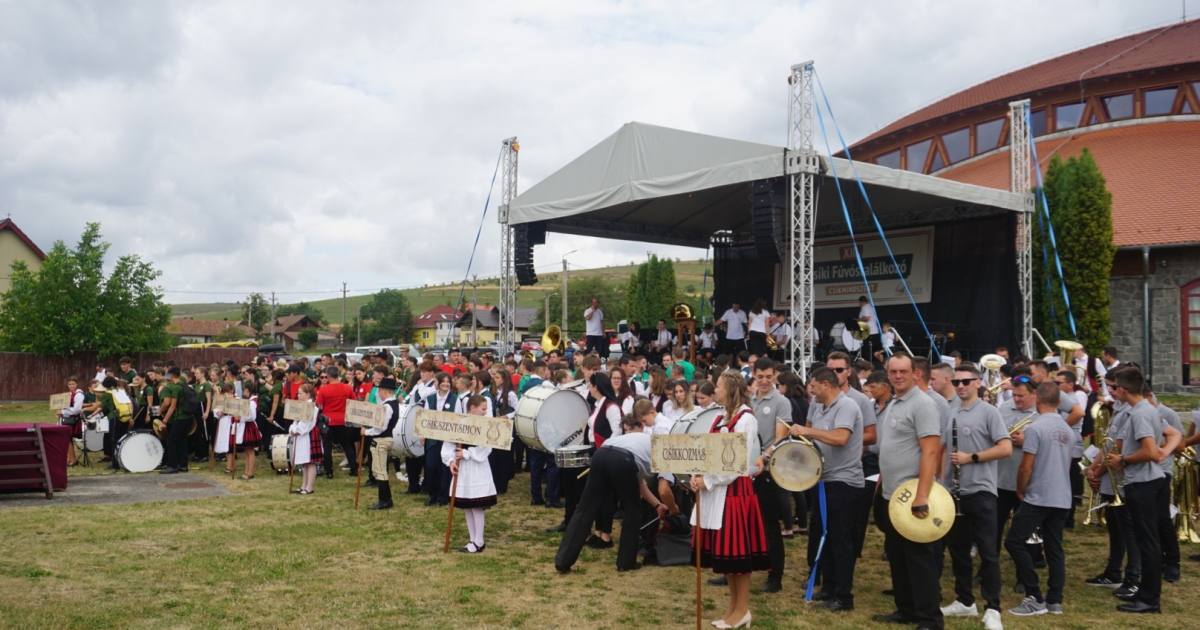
957 468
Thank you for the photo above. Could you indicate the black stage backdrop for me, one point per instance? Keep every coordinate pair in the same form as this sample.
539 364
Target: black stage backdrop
975 294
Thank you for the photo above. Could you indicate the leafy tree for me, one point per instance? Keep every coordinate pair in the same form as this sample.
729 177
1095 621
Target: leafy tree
70 305
651 292
1081 214
308 338
302 308
387 316
256 311
580 292
232 333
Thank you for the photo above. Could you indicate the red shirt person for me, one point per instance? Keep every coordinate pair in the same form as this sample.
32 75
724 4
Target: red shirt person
332 395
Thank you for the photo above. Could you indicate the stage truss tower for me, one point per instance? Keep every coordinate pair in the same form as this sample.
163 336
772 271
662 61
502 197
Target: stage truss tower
1021 157
508 281
802 168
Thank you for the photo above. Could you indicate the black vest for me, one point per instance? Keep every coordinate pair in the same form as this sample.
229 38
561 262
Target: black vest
394 405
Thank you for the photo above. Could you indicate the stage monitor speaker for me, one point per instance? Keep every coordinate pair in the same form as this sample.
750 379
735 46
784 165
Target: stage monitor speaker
768 203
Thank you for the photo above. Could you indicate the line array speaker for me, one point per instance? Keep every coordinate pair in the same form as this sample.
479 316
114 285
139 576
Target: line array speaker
768 203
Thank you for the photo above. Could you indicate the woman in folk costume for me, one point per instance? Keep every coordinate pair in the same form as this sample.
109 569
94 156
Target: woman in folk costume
730 533
659 393
307 449
680 403
224 428
605 422
73 416
501 462
247 438
474 491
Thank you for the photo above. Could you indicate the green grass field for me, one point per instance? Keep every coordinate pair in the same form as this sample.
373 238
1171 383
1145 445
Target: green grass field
688 273
266 559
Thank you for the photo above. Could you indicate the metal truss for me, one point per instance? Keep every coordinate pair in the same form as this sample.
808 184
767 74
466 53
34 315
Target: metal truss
1021 161
508 282
802 166
903 219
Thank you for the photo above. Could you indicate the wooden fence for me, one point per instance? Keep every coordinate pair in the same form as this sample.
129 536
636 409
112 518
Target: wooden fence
30 377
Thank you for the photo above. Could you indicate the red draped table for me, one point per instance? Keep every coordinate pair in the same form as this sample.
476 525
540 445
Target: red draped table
57 440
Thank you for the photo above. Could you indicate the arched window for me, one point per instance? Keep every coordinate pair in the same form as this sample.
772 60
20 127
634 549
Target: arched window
1189 320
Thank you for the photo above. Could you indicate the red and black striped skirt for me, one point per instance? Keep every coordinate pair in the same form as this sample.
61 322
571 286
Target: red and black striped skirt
251 438
478 502
740 546
316 450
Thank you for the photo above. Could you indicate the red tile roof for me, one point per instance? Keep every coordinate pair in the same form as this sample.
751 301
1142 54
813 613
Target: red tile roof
203 327
1151 173
7 224
440 313
1174 45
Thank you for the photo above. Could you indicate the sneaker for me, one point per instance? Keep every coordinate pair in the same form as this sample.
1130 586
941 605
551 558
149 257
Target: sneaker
1054 609
1028 608
991 620
1128 591
1103 580
959 609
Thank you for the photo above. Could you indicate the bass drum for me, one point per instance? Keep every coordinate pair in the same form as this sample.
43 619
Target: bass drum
139 451
405 441
697 422
281 451
836 336
93 441
548 419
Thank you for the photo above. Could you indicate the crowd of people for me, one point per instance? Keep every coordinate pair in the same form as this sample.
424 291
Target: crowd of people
1010 454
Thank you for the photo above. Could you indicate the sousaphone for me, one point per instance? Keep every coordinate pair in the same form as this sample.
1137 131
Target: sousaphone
552 339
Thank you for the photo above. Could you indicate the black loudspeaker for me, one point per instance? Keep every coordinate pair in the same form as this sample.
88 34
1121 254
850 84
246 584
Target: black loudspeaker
768 203
525 236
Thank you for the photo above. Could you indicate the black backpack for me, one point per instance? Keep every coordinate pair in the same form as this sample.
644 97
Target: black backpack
191 402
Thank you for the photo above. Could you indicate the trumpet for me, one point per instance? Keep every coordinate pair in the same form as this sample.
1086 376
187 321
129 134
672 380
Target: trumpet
1020 426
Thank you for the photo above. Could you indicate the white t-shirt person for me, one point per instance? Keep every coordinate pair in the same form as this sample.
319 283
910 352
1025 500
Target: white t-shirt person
867 315
758 322
736 322
595 325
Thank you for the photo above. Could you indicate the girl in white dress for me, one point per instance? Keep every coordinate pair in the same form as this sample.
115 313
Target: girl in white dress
680 403
475 490
308 450
224 427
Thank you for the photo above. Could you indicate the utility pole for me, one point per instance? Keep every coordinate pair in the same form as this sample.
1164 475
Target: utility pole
343 305
546 311
474 305
564 300
272 316
359 325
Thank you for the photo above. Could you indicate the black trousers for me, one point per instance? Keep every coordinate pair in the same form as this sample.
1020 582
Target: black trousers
1028 519
1149 502
413 467
519 451
1167 538
501 464
614 477
571 487
914 568
177 443
1006 504
767 490
837 558
435 470
598 343
862 517
347 437
976 526
198 441
1121 543
116 431
758 344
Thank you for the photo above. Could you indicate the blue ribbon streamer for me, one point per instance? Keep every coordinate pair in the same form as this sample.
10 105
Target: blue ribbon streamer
462 289
812 576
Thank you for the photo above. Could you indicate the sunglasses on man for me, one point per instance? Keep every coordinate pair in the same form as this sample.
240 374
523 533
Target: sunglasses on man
962 381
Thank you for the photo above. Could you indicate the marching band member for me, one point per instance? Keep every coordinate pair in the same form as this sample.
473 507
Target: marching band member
247 438
909 444
840 363
662 342
381 442
773 414
620 386
982 440
475 490
1045 494
706 395
658 388
176 422
603 424
835 421
1122 545
1166 527
1022 406
307 452
437 475
224 428
72 416
730 533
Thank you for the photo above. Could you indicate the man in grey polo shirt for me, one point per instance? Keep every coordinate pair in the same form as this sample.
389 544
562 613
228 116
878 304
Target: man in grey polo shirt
841 364
1122 545
975 440
1166 527
909 443
924 373
836 422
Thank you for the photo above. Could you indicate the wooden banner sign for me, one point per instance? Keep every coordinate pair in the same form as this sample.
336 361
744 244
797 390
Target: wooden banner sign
700 454
365 414
218 402
300 410
60 401
465 429
239 407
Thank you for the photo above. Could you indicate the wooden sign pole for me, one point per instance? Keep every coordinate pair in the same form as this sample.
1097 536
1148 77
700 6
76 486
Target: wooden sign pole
292 469
450 517
697 537
362 438
232 450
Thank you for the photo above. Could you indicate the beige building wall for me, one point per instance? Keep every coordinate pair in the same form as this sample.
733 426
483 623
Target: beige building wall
12 248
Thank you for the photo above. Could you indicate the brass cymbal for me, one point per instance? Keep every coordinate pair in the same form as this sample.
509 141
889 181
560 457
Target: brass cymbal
862 333
921 530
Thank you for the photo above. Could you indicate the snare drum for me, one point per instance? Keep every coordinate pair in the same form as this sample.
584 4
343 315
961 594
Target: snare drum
697 422
548 419
97 422
405 442
577 456
139 451
796 465
281 451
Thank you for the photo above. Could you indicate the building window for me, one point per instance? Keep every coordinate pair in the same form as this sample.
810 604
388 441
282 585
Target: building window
915 154
890 160
1067 116
1037 122
987 135
958 144
424 334
1118 107
1189 301
1160 102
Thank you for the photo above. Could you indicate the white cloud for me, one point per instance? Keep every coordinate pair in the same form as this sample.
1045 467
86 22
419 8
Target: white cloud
296 145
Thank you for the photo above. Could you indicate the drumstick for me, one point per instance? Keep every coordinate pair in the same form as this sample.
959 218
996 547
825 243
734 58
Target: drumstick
696 536
450 517
651 523
292 468
362 437
585 471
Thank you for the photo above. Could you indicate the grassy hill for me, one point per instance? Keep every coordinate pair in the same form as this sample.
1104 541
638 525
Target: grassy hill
689 276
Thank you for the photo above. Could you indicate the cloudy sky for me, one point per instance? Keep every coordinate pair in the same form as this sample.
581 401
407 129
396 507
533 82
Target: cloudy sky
291 146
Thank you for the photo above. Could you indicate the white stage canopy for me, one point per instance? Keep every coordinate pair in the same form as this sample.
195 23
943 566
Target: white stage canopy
661 185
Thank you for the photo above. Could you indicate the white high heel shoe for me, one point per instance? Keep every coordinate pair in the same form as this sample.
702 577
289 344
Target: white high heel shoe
744 623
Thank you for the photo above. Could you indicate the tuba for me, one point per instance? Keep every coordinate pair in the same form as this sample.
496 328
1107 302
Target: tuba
681 311
552 339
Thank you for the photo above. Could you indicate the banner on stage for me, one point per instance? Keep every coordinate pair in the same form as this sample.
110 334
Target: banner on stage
700 454
239 407
837 281
302 410
60 401
365 414
465 429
